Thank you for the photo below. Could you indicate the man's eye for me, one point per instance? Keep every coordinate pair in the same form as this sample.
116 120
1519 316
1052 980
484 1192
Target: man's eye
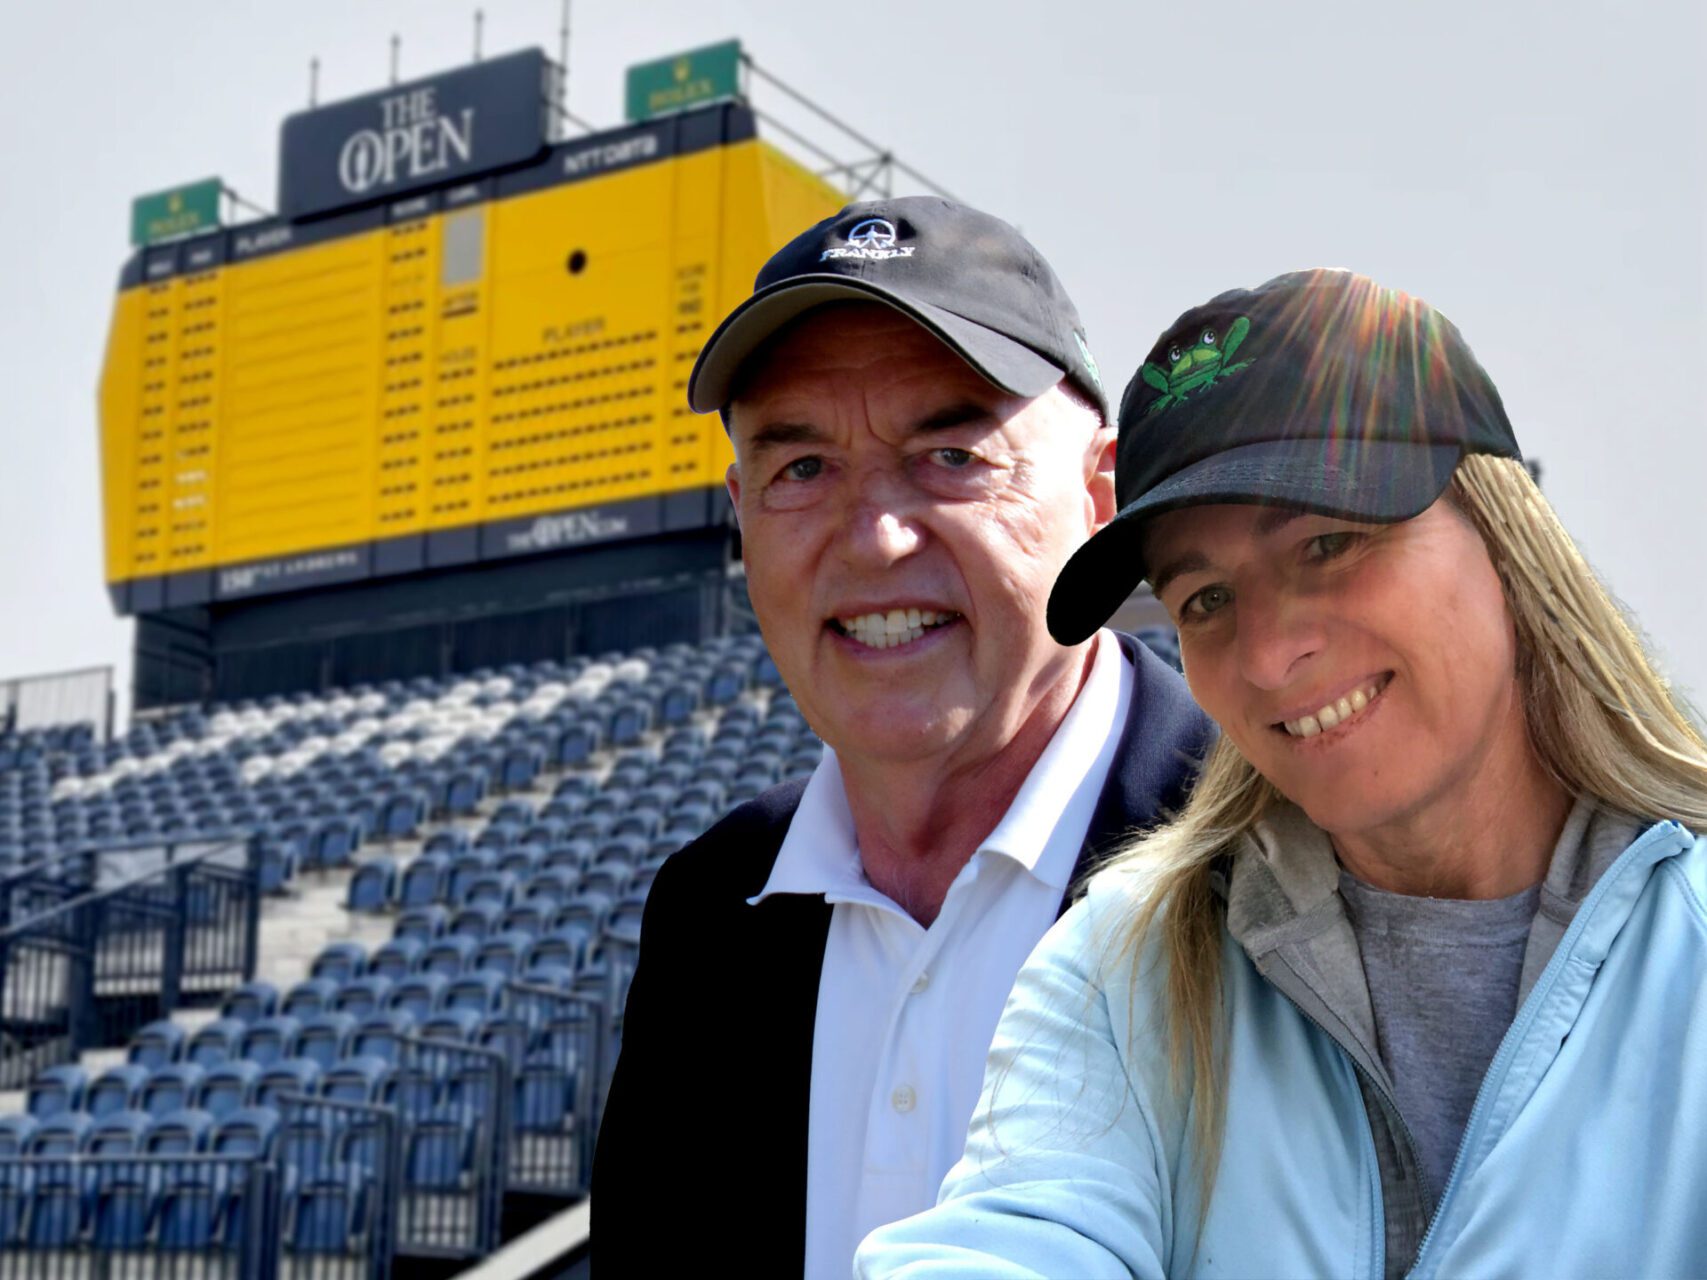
1205 602
952 457
803 469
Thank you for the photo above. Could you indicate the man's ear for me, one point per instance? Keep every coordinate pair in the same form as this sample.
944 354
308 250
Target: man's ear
1099 480
732 482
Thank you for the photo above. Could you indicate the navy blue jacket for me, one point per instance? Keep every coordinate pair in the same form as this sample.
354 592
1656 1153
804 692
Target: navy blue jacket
702 1150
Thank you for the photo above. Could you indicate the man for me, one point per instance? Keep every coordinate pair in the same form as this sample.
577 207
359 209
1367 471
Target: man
921 442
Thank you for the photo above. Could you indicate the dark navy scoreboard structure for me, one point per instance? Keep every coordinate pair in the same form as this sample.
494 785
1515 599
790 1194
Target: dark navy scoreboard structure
432 415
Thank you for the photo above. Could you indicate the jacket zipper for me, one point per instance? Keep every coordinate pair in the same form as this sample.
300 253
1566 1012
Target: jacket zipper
1392 1109
1519 1029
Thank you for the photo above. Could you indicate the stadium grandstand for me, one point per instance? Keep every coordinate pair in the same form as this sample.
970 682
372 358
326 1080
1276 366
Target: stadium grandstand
317 967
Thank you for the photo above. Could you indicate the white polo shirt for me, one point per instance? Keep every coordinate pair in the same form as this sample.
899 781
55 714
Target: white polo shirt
906 1014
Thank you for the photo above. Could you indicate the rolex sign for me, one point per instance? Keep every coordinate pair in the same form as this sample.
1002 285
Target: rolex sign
423 133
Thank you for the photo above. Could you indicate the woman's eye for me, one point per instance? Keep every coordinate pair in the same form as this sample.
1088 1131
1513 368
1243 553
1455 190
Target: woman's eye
803 469
954 458
1205 602
1327 546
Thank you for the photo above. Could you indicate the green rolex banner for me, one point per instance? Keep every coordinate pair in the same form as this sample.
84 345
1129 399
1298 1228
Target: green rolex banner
182 211
688 79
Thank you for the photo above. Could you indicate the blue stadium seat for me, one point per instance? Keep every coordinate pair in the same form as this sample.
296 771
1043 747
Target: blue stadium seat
186 1206
171 1088
559 948
450 841
58 1136
284 1077
322 1039
178 1133
381 1035
248 1131
590 827
372 885
544 1092
510 1034
575 744
497 887
269 1039
58 1201
438 1151
228 1087
326 1211
413 1091
396 959
157 1044
520 766
423 881
571 856
420 994
476 920
481 991
522 861
503 953
216 1042
121 1196
678 703
340 961
276 862
250 1002
355 1079
450 955
497 836
363 996
402 814
461 792
115 1089
532 917
466 867
334 841
56 1091
425 923
309 998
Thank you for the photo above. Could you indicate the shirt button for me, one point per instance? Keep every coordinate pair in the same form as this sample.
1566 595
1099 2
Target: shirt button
903 1099
921 982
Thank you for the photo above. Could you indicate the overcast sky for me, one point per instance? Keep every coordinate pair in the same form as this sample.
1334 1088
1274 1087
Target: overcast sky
1534 170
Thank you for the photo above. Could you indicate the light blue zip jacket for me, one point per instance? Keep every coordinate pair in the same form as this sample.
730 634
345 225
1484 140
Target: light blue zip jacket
1585 1154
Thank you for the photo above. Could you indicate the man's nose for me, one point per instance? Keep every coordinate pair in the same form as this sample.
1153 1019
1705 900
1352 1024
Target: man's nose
1279 633
880 525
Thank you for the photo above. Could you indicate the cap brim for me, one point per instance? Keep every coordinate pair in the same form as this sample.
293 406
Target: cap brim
1376 481
1010 365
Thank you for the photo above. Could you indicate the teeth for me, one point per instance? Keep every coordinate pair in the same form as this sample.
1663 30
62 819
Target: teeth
898 626
1334 714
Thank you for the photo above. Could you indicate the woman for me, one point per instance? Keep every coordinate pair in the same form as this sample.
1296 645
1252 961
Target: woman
1417 982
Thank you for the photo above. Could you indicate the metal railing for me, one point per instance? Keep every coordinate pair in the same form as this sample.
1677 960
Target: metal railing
340 1180
84 696
95 968
453 1106
139 1216
558 1047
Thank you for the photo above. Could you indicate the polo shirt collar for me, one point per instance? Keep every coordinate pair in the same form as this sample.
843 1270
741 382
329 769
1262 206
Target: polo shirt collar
820 852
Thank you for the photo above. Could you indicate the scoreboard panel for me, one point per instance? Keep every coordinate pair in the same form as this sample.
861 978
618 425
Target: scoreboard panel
485 370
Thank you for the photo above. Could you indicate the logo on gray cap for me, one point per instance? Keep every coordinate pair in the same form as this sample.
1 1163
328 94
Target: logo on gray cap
869 238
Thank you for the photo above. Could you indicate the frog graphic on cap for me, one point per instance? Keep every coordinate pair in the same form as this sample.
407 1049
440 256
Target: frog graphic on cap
1195 361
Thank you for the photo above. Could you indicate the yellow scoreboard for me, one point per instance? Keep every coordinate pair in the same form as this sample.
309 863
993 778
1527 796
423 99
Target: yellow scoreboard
491 367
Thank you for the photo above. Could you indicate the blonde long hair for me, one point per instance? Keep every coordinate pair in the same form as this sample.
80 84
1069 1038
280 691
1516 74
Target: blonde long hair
1600 717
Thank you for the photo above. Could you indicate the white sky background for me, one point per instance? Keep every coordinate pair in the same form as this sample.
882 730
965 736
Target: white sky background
1535 170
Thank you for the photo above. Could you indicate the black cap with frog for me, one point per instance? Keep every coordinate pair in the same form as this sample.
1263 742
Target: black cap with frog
1319 390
